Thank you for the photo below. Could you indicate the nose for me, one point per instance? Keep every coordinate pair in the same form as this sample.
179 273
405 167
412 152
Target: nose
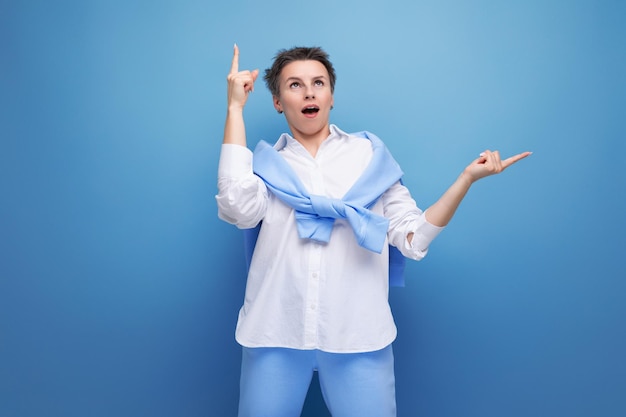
308 94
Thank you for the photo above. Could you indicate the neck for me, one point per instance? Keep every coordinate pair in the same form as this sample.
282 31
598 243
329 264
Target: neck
312 142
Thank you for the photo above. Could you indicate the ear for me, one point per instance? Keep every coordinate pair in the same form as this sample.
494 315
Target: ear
277 105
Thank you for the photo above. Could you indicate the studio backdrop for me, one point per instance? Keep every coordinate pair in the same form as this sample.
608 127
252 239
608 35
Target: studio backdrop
120 287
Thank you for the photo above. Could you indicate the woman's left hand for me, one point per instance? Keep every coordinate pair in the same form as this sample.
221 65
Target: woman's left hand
489 163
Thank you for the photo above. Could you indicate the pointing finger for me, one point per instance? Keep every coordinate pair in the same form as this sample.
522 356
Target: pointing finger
234 68
513 159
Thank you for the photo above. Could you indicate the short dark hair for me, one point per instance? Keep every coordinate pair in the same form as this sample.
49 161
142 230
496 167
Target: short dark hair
298 53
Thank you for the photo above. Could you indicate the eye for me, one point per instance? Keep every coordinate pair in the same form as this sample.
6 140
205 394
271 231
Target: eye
319 83
294 84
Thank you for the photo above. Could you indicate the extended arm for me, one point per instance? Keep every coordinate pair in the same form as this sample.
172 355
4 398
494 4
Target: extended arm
242 196
489 163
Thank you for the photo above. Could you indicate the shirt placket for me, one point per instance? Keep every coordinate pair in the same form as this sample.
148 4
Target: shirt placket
312 306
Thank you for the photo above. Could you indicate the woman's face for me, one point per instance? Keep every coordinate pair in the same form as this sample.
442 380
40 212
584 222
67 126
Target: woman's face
305 97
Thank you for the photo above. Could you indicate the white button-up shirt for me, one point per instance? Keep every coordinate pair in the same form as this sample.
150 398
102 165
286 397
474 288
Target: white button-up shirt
303 294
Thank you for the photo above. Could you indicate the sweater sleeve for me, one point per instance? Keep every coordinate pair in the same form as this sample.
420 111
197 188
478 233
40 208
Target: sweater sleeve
242 196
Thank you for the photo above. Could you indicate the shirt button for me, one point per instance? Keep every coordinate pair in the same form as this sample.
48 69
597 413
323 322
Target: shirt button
314 275
313 306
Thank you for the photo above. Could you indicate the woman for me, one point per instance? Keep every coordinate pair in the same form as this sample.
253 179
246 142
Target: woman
332 209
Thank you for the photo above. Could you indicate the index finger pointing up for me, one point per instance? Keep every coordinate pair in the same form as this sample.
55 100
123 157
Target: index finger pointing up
234 68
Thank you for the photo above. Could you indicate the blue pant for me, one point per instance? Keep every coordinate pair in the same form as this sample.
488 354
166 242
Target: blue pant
275 381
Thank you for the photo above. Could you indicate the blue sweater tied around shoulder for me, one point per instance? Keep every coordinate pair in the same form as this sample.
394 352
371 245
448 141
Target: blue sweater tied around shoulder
315 215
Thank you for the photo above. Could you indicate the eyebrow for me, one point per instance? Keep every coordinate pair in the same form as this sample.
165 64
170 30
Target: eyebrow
317 77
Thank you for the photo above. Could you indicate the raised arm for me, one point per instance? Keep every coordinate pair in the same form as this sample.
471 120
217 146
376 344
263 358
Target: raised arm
489 163
240 85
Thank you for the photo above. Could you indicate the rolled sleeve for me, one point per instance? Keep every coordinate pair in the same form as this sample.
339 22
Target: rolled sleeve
242 196
423 234
406 218
235 161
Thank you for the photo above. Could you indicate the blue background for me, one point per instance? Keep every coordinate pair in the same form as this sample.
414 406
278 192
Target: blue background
119 287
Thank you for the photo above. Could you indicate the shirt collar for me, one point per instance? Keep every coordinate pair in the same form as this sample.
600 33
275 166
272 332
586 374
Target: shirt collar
286 140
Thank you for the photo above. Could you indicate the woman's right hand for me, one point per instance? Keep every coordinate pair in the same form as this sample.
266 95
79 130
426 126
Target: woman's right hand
240 83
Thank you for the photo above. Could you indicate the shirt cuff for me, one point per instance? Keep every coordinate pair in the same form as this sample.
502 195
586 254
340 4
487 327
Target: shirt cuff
235 161
423 234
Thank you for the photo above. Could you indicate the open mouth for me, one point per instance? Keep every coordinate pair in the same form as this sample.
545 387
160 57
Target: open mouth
310 110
